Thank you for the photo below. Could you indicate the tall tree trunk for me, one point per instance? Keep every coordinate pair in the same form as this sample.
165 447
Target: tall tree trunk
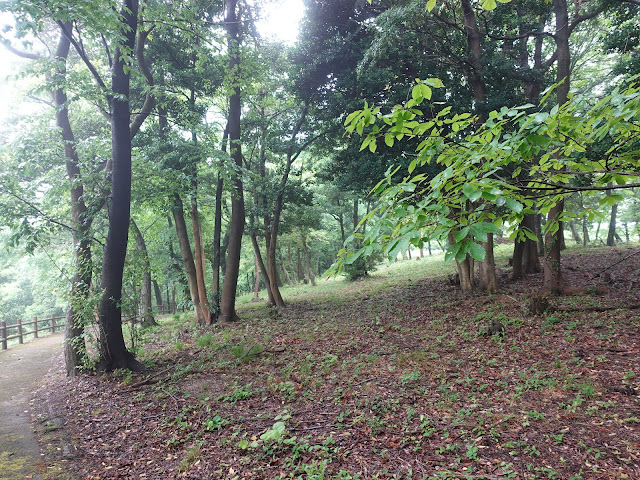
300 270
277 210
284 269
518 260
488 280
199 261
291 265
531 257
611 236
307 255
236 228
474 46
187 257
217 233
553 280
574 232
177 264
113 352
465 269
256 283
626 231
145 312
355 217
261 267
74 345
158 293
585 232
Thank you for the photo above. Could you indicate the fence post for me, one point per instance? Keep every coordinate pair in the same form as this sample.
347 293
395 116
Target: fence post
3 334
35 327
20 339
53 323
162 308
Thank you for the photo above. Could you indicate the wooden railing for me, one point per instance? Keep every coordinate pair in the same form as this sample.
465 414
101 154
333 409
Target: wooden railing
49 325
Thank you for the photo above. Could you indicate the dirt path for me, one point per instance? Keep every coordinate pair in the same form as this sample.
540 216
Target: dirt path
21 369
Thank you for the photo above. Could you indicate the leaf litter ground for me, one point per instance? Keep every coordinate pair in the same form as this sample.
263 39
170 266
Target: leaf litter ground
390 377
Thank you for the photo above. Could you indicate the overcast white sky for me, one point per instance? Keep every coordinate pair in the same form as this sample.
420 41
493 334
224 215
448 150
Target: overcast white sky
282 20
280 23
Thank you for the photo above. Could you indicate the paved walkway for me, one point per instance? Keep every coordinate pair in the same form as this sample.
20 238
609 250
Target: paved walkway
21 369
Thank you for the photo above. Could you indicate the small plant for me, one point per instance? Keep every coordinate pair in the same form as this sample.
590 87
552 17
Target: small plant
190 457
239 392
472 451
204 340
245 354
587 389
411 377
215 423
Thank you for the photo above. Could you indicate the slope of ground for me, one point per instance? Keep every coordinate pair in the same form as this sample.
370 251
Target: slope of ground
390 377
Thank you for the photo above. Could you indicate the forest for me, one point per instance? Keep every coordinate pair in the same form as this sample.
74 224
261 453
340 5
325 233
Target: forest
402 246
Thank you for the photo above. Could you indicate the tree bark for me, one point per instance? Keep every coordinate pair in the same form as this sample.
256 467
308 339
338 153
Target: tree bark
291 266
574 232
611 235
284 269
307 254
277 210
553 280
145 312
488 281
236 228
199 261
74 346
256 283
465 269
585 232
187 257
261 267
474 45
158 294
531 257
113 352
217 233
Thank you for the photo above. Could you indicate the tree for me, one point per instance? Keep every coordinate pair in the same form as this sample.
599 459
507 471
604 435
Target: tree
145 312
236 228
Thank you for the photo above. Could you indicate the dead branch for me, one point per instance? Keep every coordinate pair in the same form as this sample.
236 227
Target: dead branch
616 263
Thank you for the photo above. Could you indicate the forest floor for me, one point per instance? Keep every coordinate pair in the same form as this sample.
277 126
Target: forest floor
389 377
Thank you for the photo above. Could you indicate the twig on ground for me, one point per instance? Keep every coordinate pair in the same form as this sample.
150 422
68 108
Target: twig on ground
148 380
616 263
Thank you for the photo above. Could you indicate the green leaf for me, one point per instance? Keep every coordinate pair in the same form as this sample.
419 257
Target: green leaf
421 91
471 192
478 233
462 234
477 252
388 139
530 235
431 5
489 5
514 205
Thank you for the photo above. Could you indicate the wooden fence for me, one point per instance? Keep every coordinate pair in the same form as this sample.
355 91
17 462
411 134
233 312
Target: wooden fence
49 325
53 324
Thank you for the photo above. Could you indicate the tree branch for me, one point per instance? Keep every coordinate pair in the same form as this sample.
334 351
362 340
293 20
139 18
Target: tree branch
144 68
83 55
21 53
